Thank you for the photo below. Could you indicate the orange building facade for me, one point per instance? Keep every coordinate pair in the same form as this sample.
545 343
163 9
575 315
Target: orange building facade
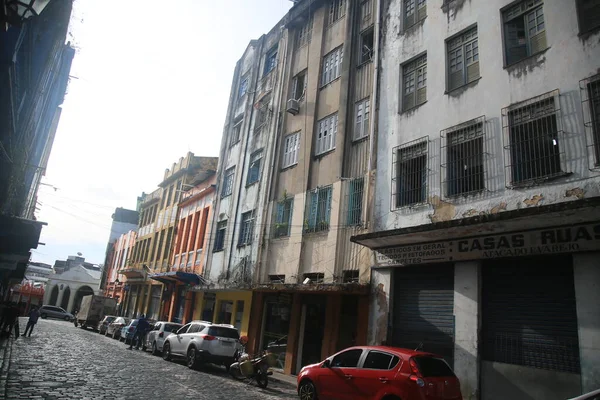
121 252
191 244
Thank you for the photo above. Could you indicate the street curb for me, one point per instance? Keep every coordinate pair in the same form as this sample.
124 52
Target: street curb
6 359
280 380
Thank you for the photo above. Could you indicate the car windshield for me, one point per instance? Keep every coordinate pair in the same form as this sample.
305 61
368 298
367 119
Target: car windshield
134 322
433 367
109 319
172 327
221 331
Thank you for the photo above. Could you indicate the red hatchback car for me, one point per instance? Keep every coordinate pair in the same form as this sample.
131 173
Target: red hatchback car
377 373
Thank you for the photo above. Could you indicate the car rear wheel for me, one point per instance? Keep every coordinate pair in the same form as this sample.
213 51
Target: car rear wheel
307 391
167 352
192 358
67 318
43 316
154 349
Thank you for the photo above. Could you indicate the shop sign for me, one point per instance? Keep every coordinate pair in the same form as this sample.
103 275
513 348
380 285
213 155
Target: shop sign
569 239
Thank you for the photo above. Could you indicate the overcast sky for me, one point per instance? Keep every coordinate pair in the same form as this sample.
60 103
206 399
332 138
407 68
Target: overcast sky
148 84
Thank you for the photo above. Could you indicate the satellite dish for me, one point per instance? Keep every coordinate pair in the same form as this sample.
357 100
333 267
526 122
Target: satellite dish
79 253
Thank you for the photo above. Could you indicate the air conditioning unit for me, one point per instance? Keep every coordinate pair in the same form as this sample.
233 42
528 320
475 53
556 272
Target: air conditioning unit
293 106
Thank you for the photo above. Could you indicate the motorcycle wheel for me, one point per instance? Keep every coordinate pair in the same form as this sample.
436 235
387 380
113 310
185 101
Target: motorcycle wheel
262 380
234 371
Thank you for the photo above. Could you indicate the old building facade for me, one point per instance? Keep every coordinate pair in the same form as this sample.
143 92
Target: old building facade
487 234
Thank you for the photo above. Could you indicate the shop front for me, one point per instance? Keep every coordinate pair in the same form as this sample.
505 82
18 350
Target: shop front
179 299
230 307
305 326
509 300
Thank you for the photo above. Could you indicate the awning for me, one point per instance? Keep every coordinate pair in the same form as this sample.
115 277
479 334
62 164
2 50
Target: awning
178 277
133 274
557 228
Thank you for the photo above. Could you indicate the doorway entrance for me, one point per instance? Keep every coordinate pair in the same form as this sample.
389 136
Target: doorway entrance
312 330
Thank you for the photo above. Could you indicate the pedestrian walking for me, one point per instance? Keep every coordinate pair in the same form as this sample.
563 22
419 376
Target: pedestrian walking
33 315
140 331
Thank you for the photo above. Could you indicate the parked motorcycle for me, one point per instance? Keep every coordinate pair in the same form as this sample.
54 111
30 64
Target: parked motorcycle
246 367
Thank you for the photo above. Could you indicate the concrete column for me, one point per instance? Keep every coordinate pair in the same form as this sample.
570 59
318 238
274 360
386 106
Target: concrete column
379 313
333 313
72 299
467 299
586 270
256 322
362 328
291 354
60 295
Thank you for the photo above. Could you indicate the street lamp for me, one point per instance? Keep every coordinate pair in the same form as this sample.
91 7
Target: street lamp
18 11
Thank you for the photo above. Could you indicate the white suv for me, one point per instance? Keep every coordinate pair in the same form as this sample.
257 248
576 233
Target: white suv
203 342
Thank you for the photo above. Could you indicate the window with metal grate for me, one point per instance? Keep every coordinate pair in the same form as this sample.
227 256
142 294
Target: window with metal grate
228 182
532 136
355 201
409 162
590 98
254 167
246 228
220 236
413 11
463 158
318 209
283 218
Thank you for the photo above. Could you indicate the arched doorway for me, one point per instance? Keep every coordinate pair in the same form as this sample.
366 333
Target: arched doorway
53 296
82 291
65 299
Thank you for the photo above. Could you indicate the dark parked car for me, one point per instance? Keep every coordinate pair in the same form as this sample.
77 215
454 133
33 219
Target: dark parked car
103 325
376 372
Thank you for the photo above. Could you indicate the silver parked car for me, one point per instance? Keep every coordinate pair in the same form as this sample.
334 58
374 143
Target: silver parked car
156 337
114 328
55 312
103 325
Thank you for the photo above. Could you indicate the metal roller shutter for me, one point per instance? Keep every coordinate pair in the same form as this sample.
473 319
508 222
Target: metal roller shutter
423 309
529 314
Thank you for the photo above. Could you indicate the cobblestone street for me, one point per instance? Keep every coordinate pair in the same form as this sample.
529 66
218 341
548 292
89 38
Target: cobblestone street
60 361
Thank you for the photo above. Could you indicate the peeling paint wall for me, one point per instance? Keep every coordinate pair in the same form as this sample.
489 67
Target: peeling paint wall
379 313
568 60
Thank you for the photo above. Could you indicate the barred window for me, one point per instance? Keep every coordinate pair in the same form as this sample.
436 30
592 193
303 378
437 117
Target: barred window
220 236
413 11
588 12
283 218
355 201
363 112
337 9
351 276
228 182
246 228
410 164
315 277
415 83
254 167
290 150
464 170
590 98
270 61
304 33
463 59
533 139
318 211
326 132
524 30
262 115
236 131
332 66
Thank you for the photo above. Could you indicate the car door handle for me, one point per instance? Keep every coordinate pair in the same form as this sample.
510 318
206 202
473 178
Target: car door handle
348 377
384 380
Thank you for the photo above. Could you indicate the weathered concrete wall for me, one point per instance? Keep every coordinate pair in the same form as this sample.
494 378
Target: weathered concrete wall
379 313
568 60
586 268
467 296
506 381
